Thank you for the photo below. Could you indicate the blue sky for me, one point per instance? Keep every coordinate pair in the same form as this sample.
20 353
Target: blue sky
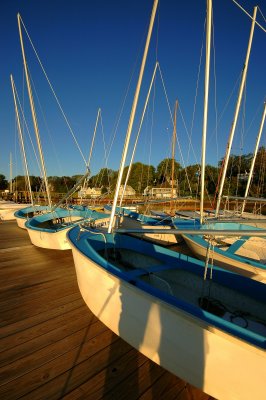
91 51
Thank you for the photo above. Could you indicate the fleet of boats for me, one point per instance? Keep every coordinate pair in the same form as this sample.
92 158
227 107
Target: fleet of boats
202 318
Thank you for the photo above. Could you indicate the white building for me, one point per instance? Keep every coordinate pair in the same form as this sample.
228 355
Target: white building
90 192
160 192
129 192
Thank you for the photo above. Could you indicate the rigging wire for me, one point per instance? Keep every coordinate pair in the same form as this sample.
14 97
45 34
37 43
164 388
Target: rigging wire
250 16
195 99
178 143
215 90
52 89
45 122
116 125
28 132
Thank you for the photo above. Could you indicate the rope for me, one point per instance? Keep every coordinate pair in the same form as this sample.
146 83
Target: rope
47 127
27 129
215 92
52 89
195 101
250 16
210 244
178 143
105 152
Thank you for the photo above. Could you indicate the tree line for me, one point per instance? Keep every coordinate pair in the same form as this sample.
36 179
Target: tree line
167 173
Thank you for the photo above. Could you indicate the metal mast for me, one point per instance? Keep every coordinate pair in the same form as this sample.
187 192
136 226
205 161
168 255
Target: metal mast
206 97
34 118
254 158
21 139
231 136
132 116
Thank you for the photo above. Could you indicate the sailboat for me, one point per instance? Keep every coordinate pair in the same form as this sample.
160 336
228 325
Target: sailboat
24 213
151 297
48 230
245 255
209 331
255 218
129 219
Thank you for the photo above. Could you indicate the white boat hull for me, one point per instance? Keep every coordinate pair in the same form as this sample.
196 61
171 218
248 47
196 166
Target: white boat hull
210 359
21 222
49 240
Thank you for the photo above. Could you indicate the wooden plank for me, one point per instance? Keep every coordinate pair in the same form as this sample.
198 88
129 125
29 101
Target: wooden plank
71 302
108 380
32 296
19 320
167 387
24 342
53 347
66 371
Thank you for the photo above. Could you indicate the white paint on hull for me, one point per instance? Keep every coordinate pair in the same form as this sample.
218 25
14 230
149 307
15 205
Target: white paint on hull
49 240
21 222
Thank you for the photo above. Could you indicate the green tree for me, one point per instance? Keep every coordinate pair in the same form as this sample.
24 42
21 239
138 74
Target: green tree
104 178
164 170
189 180
258 186
76 178
141 176
3 182
36 183
211 179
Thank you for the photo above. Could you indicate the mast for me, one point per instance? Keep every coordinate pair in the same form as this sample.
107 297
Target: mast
231 136
21 139
34 117
93 139
206 97
10 174
173 156
132 116
173 149
254 157
137 137
92 144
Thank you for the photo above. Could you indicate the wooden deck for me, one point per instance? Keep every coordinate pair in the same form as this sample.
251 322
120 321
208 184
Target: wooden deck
51 345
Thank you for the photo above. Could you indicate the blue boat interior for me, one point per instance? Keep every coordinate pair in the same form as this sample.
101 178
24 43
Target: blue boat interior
163 273
29 212
63 218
